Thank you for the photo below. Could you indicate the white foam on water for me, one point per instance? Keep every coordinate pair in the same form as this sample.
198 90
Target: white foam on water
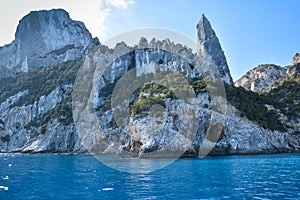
3 187
107 189
10 165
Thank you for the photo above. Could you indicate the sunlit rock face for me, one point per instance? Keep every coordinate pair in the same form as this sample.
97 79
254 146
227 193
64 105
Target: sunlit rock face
45 38
146 131
41 120
294 70
21 131
242 136
267 76
261 78
296 59
208 44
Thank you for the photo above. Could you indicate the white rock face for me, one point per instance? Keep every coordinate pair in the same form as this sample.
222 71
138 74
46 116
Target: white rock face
208 44
11 100
261 77
240 136
244 137
5 72
294 69
296 59
45 38
57 137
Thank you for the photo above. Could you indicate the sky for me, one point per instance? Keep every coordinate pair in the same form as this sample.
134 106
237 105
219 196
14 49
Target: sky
251 32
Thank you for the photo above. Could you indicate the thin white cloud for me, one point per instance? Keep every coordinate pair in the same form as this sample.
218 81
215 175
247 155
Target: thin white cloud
106 8
123 4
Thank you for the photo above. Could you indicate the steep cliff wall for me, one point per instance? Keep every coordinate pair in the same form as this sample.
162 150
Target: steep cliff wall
45 38
37 85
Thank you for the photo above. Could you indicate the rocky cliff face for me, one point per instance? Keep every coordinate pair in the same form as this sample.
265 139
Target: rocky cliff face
208 44
45 38
243 136
261 77
5 72
279 86
240 136
21 130
294 70
36 114
296 59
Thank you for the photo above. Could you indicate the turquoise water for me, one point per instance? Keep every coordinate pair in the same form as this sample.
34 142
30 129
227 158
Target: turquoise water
83 177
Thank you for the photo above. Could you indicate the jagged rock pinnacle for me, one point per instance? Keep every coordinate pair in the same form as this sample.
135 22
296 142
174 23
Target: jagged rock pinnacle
44 38
208 44
296 59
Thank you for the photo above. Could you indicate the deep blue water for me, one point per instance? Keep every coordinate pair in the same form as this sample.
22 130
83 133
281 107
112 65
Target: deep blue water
84 177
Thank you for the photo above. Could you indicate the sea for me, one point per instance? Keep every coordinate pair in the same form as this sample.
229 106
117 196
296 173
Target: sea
49 176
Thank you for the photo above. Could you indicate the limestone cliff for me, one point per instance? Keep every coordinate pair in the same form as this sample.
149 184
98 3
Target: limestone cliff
45 38
37 87
279 86
261 77
208 44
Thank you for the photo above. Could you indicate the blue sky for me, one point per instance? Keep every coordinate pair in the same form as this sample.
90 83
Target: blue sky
251 32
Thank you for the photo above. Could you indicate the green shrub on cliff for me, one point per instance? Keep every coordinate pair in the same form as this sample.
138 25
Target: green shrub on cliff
252 105
38 82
